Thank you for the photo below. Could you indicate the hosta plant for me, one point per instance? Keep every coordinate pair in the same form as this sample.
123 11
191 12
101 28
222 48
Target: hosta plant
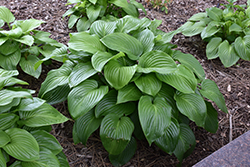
123 78
226 31
25 123
21 45
85 12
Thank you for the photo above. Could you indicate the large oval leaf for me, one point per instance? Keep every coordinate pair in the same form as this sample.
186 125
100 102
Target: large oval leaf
155 117
10 62
30 24
84 97
109 105
212 48
214 13
93 12
102 28
242 47
125 156
191 62
128 93
6 15
210 90
117 75
23 145
30 104
212 28
83 41
122 42
186 142
193 106
46 159
181 79
41 116
4 139
46 140
8 120
211 122
193 28
28 65
115 133
85 126
149 84
227 54
156 61
81 72
146 37
169 140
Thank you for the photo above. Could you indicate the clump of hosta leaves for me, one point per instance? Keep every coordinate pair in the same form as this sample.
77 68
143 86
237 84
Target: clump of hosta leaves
25 123
226 31
85 12
21 44
123 78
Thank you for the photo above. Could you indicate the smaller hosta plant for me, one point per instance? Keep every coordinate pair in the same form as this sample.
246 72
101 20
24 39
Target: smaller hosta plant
123 78
25 123
21 45
85 12
226 31
160 4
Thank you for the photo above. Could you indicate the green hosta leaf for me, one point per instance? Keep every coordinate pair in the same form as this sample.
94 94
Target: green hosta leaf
139 6
191 62
128 93
2 159
193 106
101 58
168 141
83 24
93 1
80 73
8 120
30 24
127 24
62 159
122 42
72 21
7 96
84 97
198 17
57 80
28 65
211 122
181 79
4 139
9 47
10 62
210 30
155 117
156 61
127 7
115 133
214 13
210 91
227 54
6 15
82 41
146 37
41 116
46 140
235 28
118 76
7 107
109 105
102 28
23 145
93 12
125 156
149 84
242 47
3 39
186 142
212 48
191 28
16 164
85 126
44 37
46 159
27 40
13 33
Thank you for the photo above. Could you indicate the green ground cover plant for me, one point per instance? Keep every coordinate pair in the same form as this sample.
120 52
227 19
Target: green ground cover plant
226 31
25 123
85 12
22 45
123 78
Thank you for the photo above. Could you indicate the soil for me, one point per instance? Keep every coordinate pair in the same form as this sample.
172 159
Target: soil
233 82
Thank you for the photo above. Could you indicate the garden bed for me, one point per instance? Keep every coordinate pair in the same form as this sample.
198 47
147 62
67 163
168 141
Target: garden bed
233 82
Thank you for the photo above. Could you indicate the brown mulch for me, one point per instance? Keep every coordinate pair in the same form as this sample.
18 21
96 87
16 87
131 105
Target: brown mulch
233 82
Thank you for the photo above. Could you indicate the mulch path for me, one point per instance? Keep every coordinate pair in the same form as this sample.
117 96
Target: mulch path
233 82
